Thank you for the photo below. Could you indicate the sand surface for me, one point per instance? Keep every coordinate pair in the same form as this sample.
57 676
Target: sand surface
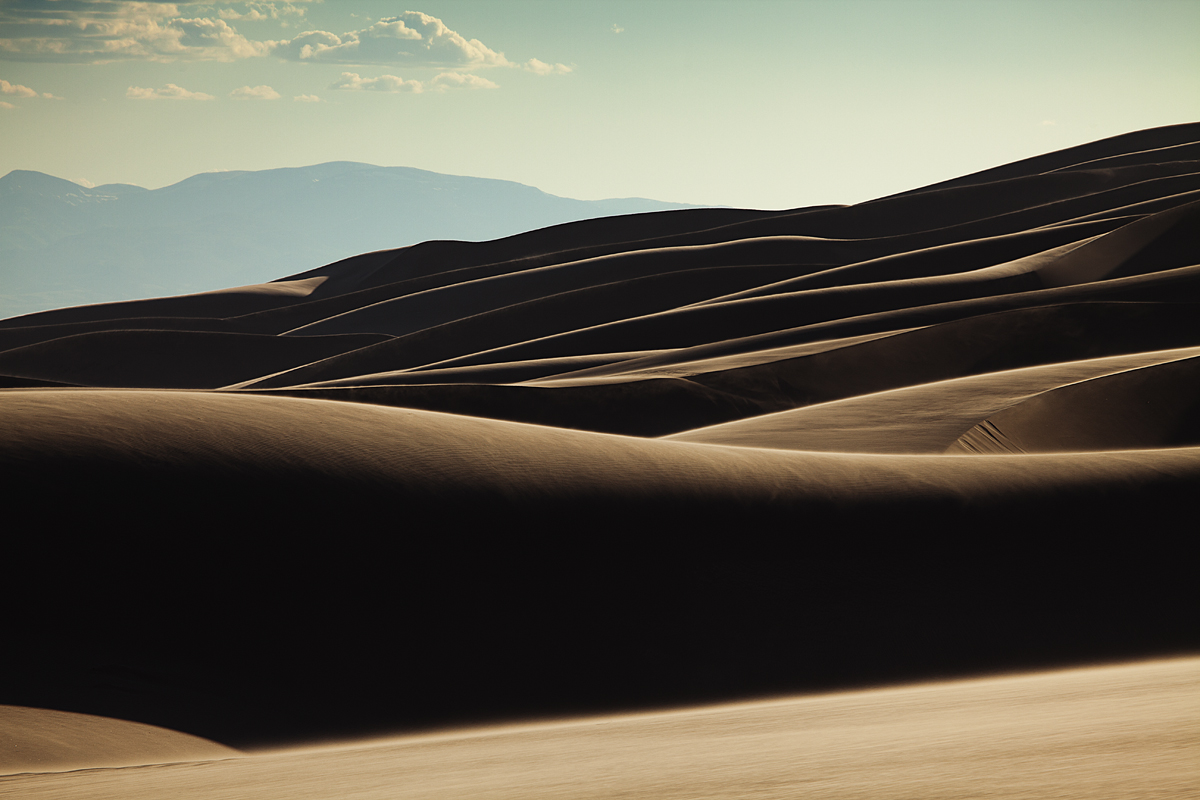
39 740
665 459
1118 732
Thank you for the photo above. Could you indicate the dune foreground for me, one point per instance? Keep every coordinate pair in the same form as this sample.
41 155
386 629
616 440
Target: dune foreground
627 463
38 740
1126 731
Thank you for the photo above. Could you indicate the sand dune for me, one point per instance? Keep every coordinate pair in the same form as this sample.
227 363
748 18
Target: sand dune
38 740
1124 731
669 458
930 417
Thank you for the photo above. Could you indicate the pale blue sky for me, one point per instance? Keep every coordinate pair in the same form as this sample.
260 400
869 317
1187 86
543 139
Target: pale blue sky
755 103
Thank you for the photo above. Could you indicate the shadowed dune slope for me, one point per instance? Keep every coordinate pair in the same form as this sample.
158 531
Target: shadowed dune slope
166 359
662 458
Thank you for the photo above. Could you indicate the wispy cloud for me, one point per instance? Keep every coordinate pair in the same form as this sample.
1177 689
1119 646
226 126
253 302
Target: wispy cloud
412 38
257 12
252 15
460 80
352 81
306 98
617 29
542 68
101 31
255 93
16 89
168 92
6 106
98 31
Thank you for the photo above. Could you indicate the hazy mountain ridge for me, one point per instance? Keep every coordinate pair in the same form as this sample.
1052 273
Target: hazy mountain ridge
63 244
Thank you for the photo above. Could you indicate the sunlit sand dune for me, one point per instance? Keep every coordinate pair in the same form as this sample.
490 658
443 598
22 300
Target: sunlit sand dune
657 460
1124 731
38 740
930 417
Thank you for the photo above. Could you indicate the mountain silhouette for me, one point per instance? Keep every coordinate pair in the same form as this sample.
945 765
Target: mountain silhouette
62 244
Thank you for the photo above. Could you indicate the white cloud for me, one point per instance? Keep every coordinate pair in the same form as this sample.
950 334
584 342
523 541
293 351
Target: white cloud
213 39
617 29
257 12
391 83
84 182
542 68
16 88
253 15
168 92
5 105
99 31
384 83
412 38
459 80
305 46
102 31
255 93
306 98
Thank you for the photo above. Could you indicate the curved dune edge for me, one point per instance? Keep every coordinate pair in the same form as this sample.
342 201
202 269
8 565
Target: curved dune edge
1113 731
430 453
1145 407
41 740
931 418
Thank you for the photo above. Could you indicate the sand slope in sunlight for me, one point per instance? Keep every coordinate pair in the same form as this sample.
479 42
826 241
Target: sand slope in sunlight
1126 731
38 740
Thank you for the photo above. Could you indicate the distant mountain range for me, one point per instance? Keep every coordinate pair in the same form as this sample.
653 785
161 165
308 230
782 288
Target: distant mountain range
62 244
